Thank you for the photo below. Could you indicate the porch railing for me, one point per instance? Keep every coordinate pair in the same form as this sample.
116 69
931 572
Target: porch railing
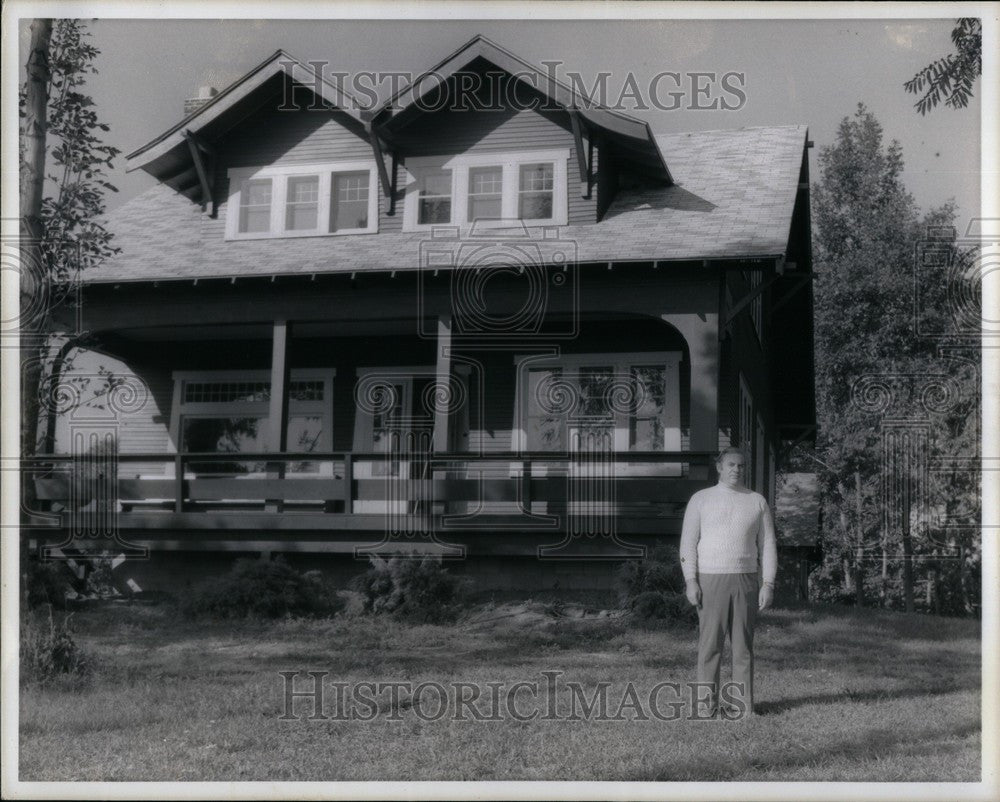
355 483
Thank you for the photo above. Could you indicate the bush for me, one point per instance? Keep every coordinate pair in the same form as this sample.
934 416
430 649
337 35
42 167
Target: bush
262 589
411 589
48 650
653 588
44 583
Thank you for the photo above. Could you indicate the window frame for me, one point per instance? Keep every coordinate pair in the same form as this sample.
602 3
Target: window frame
510 163
280 176
621 362
214 409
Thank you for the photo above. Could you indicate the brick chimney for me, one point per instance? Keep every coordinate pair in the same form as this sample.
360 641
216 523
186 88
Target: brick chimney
205 94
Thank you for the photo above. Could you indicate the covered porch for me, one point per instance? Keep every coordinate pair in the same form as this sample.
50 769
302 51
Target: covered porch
375 422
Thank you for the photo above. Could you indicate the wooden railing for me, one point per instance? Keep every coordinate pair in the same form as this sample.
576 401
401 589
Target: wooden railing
343 483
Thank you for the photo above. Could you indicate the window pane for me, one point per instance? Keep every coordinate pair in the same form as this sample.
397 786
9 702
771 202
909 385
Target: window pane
646 424
305 433
650 390
595 385
302 203
536 177
226 392
547 405
255 206
224 435
435 210
485 193
536 192
435 197
646 434
535 207
349 207
546 434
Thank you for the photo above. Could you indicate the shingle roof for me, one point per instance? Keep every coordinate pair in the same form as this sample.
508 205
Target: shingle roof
733 197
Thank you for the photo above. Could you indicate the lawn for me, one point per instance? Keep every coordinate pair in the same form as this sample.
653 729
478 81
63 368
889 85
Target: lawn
844 696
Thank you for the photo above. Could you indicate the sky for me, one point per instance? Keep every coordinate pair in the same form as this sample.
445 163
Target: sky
811 72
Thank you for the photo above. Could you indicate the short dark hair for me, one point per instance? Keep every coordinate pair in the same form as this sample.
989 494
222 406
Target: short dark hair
731 450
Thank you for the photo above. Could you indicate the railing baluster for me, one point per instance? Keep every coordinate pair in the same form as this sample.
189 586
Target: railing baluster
179 483
349 483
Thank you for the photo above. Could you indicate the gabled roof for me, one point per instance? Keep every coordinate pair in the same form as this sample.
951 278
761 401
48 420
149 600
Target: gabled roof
167 157
631 134
733 198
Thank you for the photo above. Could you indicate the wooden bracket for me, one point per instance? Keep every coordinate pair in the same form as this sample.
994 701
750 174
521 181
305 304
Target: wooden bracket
376 144
800 282
747 299
581 154
205 177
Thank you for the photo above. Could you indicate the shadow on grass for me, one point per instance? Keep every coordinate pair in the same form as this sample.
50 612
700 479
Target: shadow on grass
872 745
784 705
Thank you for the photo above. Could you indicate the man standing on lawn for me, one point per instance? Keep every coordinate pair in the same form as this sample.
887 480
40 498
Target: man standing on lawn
726 539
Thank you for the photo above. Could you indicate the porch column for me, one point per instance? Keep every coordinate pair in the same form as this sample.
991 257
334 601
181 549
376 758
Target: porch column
442 411
701 331
278 409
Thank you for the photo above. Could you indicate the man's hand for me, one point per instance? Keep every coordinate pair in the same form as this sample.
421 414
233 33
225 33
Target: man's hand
694 592
765 597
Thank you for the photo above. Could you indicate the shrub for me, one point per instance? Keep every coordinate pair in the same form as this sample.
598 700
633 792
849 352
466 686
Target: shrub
48 650
262 588
648 605
409 588
44 583
653 588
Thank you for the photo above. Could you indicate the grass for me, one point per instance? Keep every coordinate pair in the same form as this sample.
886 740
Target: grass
845 696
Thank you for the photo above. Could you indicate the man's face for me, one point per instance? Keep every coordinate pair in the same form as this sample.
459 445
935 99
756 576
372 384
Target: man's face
730 469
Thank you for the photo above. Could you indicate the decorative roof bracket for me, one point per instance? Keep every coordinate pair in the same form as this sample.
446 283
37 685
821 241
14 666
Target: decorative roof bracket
581 154
205 177
376 144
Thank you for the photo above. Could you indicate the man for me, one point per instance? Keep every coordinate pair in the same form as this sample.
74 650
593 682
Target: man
727 531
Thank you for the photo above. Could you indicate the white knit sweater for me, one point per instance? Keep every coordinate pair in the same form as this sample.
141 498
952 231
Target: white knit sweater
727 531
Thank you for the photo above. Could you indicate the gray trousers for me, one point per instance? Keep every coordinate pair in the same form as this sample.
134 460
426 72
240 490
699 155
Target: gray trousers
728 607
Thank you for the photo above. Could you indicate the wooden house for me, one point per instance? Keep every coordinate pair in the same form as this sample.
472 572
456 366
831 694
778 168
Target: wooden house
513 333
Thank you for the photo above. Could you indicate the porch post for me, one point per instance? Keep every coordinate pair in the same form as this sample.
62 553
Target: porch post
278 409
442 410
701 331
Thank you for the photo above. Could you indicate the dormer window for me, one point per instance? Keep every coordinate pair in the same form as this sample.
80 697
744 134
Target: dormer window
434 195
302 200
536 192
302 203
488 189
485 193
255 206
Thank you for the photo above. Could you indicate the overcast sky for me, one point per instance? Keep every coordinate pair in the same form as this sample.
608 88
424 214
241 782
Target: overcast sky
811 72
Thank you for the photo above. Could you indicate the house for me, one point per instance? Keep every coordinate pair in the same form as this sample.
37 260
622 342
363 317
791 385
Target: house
513 333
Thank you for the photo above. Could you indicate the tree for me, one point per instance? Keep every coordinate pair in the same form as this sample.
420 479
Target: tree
866 229
62 205
951 77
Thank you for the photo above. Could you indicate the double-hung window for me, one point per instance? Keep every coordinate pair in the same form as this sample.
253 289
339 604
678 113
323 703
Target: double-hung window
302 200
487 189
434 196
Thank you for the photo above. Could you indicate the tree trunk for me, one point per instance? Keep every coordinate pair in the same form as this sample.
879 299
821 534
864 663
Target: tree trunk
907 567
859 540
33 276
